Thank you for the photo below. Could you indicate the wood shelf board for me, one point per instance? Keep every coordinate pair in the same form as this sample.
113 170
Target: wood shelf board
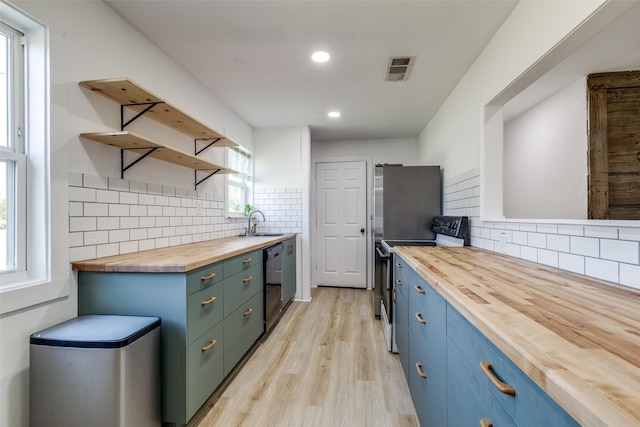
130 141
125 92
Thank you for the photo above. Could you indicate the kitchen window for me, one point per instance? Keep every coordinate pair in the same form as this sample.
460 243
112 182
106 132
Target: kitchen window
12 152
238 187
26 273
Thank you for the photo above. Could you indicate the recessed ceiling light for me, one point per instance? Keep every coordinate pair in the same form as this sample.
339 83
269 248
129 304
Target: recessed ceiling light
320 56
334 114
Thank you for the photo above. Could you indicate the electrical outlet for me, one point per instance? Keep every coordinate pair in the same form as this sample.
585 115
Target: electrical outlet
502 243
199 207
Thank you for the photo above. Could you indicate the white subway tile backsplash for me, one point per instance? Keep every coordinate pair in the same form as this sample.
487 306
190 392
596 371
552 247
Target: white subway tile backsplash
108 223
547 228
107 196
79 194
138 210
129 222
129 198
82 224
76 239
96 237
601 232
116 236
137 187
630 275
620 250
146 199
128 247
91 181
75 179
118 210
537 240
602 269
548 257
529 253
571 230
76 209
108 250
96 209
630 234
570 262
81 253
585 246
558 243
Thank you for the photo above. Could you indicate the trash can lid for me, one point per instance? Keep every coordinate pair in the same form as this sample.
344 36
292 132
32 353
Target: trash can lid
96 331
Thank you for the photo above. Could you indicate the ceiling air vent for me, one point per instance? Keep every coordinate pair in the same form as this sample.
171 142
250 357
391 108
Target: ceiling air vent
399 68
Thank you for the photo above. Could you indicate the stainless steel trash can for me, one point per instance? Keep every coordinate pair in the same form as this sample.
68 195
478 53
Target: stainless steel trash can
96 370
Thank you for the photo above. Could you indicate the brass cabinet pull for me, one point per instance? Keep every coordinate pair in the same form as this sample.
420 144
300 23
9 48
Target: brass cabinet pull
208 346
420 318
485 422
398 282
503 387
419 289
393 295
210 276
420 371
209 301
247 279
248 312
290 246
246 261
398 265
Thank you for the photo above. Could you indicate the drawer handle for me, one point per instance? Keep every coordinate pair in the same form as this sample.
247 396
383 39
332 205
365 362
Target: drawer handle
398 265
248 312
393 295
420 318
209 277
399 282
419 289
209 301
247 279
208 346
501 386
246 261
420 371
290 246
485 422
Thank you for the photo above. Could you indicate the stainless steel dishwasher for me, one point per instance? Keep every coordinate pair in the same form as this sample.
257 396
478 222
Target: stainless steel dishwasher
272 284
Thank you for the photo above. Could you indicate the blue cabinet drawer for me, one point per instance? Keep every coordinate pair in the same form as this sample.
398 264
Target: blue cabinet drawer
241 286
530 406
468 400
427 396
204 310
204 277
205 356
242 262
427 321
241 330
402 275
401 317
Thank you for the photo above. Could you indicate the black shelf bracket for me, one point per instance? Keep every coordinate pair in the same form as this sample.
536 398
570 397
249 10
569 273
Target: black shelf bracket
195 144
149 105
124 168
195 172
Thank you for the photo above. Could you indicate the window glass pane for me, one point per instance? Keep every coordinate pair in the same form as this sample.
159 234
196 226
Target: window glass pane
7 216
236 199
4 98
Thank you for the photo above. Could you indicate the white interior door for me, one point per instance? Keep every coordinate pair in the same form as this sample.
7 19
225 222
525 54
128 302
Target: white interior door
341 222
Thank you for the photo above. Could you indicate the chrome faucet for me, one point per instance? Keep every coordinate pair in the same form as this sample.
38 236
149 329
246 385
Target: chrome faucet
252 230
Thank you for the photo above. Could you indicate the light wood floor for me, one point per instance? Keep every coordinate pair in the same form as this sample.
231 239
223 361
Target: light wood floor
325 364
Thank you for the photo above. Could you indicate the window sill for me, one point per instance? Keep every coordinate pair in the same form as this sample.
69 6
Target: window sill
26 294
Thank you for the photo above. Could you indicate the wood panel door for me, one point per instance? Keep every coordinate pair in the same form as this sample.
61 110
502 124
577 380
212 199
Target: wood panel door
614 145
341 221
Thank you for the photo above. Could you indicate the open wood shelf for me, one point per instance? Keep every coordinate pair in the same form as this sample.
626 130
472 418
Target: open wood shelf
128 141
133 96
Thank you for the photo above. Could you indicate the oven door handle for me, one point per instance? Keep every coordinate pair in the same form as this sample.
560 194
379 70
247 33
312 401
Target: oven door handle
382 254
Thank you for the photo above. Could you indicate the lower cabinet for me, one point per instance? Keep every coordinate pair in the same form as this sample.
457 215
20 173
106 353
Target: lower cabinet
210 317
456 376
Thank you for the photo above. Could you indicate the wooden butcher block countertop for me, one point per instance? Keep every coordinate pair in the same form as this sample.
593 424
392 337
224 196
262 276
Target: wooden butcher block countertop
578 338
178 259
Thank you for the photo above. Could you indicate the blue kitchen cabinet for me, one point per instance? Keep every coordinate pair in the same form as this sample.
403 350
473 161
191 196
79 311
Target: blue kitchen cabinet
401 318
529 405
428 399
200 311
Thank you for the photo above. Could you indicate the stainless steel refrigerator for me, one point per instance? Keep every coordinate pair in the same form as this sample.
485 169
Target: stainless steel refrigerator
406 199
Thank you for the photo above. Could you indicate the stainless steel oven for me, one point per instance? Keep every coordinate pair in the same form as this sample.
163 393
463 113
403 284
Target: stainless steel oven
450 231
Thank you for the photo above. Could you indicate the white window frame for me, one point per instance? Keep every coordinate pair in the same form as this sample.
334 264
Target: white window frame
35 284
14 154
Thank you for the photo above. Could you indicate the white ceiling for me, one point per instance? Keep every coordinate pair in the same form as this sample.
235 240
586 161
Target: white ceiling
255 56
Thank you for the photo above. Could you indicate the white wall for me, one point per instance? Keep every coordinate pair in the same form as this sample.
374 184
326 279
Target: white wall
89 41
545 158
466 135
403 150
282 164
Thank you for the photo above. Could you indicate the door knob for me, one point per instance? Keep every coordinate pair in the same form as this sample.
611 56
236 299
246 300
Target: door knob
362 230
